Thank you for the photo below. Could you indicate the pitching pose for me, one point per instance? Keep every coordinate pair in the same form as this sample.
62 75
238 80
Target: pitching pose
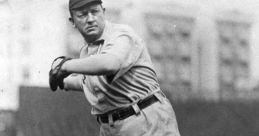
115 73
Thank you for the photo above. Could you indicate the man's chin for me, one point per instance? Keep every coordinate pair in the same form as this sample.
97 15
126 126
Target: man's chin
91 36
92 33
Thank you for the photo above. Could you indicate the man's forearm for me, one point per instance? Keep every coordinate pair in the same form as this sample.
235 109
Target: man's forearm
102 64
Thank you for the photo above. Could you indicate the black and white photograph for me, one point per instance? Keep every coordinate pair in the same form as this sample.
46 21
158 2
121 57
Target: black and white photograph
129 68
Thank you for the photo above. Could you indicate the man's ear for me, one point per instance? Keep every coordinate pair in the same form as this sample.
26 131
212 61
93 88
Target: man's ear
71 21
104 10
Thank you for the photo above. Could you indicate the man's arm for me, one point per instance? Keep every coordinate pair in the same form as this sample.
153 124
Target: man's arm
100 64
73 83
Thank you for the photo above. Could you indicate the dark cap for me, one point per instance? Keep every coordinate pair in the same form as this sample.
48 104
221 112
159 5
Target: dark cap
74 4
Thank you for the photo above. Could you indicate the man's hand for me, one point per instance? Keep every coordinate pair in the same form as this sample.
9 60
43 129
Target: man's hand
56 75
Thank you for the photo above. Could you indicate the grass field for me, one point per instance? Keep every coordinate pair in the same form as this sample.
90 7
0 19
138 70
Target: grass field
44 113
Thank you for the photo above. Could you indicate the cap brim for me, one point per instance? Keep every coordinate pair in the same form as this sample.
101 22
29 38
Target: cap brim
83 3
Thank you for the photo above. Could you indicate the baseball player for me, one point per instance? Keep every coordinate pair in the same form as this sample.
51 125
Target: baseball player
115 73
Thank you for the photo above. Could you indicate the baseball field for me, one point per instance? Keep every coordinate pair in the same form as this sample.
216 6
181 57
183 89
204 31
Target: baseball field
46 113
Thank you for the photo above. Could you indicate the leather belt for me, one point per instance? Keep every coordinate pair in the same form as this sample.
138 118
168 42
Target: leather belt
124 113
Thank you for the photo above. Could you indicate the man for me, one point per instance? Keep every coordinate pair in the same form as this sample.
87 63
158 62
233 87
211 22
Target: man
116 74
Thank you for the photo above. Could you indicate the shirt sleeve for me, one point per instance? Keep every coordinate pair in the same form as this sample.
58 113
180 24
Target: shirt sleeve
126 48
74 82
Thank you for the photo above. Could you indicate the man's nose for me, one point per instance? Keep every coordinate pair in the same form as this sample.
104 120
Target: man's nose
90 18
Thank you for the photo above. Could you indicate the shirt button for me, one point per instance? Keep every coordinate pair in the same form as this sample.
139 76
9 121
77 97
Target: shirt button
96 88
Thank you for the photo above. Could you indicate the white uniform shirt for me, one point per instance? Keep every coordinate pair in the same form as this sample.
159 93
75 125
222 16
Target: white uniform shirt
134 80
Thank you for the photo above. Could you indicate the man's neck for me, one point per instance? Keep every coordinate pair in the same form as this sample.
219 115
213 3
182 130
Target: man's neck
90 39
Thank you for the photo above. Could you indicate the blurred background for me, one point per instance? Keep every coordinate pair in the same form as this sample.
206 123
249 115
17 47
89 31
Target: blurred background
204 52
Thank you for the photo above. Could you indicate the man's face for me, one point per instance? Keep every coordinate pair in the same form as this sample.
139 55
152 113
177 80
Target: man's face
89 20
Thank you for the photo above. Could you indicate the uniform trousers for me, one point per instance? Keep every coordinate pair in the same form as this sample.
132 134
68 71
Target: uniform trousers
157 119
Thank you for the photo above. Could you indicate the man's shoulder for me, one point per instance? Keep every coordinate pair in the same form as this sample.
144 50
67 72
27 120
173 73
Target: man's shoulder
122 28
116 30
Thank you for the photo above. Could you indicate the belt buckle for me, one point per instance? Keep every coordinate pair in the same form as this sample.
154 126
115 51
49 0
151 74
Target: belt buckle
136 108
110 119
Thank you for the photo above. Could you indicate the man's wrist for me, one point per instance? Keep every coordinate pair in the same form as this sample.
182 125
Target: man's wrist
64 67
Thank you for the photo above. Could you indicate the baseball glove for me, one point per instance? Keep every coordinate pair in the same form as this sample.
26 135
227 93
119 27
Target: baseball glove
56 76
